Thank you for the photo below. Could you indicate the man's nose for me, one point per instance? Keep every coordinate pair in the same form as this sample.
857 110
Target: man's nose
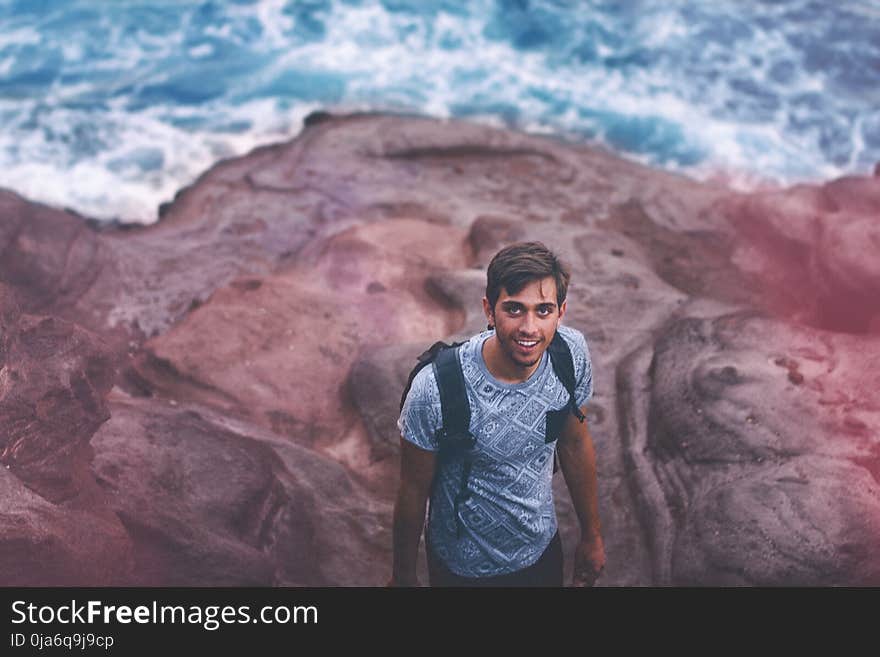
530 324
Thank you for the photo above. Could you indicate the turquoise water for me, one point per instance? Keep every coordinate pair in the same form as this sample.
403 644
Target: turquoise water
110 107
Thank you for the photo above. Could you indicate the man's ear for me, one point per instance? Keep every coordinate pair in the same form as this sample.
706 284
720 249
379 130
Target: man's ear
490 313
562 309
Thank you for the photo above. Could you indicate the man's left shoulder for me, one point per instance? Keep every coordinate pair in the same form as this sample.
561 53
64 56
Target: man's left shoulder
575 340
583 366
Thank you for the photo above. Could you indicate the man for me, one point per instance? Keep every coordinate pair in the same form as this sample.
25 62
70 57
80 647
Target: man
504 531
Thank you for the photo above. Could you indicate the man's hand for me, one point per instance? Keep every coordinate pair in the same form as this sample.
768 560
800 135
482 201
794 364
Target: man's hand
589 561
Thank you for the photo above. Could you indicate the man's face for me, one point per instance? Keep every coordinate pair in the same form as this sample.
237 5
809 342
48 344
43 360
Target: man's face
526 322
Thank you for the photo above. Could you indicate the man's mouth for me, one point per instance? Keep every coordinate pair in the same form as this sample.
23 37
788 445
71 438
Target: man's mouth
527 344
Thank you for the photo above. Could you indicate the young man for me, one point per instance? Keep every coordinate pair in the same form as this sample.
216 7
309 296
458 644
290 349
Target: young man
503 532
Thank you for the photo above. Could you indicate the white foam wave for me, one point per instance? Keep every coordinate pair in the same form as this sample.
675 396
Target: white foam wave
21 36
114 183
716 105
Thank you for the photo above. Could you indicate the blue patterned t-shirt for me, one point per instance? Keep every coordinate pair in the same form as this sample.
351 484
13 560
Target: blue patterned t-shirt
509 518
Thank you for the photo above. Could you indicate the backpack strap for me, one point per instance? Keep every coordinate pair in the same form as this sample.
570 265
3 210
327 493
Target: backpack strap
563 365
454 435
453 396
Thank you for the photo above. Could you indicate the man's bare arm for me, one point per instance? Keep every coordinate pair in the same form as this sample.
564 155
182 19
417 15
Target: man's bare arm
416 475
577 458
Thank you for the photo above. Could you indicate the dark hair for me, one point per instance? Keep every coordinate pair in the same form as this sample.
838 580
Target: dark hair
517 265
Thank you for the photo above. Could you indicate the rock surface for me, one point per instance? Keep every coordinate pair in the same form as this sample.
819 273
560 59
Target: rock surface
257 339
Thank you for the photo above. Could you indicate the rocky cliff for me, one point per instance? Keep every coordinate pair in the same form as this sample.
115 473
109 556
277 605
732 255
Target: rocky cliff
211 400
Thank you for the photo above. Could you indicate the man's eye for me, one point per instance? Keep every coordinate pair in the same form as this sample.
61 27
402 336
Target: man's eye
514 311
544 311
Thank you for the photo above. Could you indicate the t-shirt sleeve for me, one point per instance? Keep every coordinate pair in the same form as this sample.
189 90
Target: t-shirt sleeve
421 415
583 366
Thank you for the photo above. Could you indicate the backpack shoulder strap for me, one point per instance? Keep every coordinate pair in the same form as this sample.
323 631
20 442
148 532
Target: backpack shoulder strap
563 365
454 436
453 394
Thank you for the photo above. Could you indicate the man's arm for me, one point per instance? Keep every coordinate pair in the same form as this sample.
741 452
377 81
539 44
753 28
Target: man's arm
416 475
577 457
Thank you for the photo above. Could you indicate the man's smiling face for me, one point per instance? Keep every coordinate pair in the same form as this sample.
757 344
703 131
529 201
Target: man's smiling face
525 324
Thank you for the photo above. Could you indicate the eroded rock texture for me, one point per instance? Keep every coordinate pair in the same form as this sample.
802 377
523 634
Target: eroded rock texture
212 400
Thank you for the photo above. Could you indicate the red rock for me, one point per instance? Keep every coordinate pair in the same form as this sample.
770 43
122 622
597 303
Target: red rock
813 251
263 329
54 380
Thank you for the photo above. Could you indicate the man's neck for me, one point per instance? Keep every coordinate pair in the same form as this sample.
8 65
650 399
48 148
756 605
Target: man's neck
500 367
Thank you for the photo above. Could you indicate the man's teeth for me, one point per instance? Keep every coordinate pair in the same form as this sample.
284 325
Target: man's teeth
527 343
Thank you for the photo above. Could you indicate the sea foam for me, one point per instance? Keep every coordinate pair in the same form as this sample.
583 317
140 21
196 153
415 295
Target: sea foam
110 108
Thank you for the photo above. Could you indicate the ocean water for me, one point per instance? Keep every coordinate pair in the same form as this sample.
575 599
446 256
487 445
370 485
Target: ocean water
109 107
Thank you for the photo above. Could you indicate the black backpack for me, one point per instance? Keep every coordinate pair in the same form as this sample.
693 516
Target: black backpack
454 436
